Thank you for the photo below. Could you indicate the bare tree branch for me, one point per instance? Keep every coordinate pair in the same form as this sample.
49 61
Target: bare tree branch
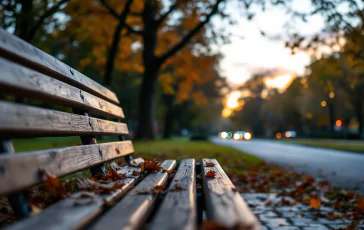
46 15
110 9
165 15
122 16
132 30
190 35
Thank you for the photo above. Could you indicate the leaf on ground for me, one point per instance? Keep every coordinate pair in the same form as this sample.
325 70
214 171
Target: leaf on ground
360 205
277 212
315 203
210 174
268 203
53 185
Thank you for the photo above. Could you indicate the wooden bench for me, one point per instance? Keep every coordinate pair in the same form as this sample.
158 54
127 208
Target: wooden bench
27 72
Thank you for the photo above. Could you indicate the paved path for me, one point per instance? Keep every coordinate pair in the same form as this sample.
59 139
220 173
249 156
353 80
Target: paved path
291 217
342 168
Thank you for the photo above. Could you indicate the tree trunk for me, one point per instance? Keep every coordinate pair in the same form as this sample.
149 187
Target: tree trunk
147 104
331 116
109 68
147 96
359 116
169 116
25 20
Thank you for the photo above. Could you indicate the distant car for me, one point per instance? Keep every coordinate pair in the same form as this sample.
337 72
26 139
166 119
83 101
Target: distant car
290 134
242 135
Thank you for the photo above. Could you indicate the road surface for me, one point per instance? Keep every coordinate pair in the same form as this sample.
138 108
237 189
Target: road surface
345 169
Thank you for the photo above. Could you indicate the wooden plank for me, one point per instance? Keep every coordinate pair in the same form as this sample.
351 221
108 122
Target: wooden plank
18 80
22 170
22 120
224 205
178 208
66 215
19 51
134 209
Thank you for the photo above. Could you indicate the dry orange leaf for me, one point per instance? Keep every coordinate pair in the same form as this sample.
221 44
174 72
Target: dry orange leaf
135 173
53 185
268 203
112 175
210 174
360 205
158 187
209 164
152 165
315 203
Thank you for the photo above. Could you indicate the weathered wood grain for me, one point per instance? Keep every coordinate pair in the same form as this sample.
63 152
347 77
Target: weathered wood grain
67 215
21 170
134 209
224 205
19 51
23 120
178 208
22 81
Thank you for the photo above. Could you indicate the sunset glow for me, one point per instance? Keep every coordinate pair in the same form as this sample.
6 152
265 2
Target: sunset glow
279 82
233 100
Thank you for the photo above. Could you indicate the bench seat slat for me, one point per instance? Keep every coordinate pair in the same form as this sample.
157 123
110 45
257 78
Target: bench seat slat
65 215
224 205
178 208
134 209
23 169
19 51
23 120
22 81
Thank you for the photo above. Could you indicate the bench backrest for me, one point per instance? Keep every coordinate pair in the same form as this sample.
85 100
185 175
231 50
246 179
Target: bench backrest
28 72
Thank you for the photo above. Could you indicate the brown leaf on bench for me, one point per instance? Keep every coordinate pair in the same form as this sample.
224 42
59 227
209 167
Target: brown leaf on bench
158 187
112 175
152 166
178 187
97 187
209 164
136 173
84 198
210 174
213 225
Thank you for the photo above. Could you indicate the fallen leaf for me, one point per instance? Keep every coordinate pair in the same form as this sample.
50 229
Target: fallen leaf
209 164
360 205
152 165
53 185
210 174
277 212
97 187
158 187
315 203
112 175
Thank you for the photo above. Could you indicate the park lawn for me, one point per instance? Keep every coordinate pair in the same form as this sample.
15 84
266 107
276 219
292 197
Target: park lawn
232 160
327 144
